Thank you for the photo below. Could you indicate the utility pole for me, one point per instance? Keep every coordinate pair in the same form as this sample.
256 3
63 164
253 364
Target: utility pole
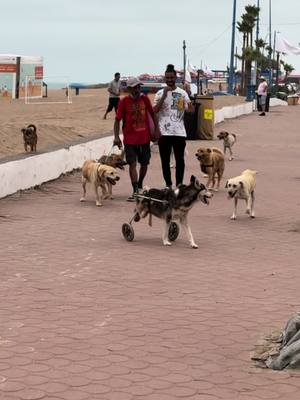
231 68
184 60
270 43
257 37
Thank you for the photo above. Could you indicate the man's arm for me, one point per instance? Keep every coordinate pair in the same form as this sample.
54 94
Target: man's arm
190 107
160 102
117 140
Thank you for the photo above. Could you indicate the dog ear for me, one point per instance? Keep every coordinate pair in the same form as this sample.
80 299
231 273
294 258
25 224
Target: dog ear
101 170
241 184
226 186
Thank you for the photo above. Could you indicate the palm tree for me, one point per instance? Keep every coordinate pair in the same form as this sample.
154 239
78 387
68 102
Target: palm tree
246 27
288 68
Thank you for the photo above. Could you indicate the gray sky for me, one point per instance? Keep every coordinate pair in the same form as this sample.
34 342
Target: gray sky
89 40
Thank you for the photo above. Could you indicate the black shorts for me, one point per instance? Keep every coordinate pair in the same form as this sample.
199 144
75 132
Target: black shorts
137 152
113 104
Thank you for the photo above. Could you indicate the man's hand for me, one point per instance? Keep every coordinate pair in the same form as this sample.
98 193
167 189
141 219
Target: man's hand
117 142
166 90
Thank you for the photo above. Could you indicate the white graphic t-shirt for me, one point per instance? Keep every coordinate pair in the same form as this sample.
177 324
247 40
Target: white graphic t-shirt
170 116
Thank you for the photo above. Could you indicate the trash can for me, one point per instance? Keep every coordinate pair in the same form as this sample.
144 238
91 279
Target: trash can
190 122
293 100
205 117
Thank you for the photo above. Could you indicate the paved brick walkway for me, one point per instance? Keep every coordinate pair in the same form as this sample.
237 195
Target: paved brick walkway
86 315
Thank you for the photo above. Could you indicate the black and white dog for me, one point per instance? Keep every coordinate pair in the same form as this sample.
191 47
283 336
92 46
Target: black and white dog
168 204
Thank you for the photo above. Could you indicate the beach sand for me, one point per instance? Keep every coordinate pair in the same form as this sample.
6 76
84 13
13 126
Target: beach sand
62 123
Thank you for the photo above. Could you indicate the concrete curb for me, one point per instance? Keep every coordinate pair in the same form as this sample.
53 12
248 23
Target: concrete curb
25 172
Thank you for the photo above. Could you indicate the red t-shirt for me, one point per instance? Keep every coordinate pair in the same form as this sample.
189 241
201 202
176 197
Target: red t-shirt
134 116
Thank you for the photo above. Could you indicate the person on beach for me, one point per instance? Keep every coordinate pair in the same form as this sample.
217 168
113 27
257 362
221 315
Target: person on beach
262 92
114 89
132 111
170 103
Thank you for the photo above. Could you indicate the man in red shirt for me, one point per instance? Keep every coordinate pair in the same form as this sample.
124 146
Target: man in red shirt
132 110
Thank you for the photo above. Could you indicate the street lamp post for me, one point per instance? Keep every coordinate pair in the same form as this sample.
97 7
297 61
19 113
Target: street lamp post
231 68
270 42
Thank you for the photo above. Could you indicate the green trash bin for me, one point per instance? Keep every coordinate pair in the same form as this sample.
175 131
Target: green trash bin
205 117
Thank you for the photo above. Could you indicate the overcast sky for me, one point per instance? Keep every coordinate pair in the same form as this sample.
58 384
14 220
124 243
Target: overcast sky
89 40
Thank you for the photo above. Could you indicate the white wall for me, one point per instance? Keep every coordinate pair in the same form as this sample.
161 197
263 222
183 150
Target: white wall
36 169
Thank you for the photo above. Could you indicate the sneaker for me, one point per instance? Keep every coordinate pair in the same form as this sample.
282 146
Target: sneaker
131 198
262 114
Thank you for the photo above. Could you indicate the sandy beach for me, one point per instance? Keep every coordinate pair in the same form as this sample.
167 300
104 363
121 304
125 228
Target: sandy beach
62 123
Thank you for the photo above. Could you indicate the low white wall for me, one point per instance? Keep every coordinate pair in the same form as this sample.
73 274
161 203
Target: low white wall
37 169
34 170
233 111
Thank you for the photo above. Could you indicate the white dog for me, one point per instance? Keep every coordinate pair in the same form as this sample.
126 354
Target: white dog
242 187
228 141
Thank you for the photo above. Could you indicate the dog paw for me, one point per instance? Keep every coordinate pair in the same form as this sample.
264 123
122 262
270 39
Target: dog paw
230 158
82 199
233 217
252 216
194 246
98 204
167 243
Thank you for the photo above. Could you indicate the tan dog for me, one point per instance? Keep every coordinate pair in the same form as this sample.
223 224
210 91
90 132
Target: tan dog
228 141
212 163
242 187
30 137
98 175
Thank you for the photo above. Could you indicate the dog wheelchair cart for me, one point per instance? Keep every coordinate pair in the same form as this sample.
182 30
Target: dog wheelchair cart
127 229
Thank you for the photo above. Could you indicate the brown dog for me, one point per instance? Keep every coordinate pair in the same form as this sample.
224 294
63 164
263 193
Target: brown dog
212 163
113 160
30 137
98 175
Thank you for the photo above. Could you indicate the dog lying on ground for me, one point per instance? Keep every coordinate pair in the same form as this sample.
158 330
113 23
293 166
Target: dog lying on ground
212 163
98 175
242 187
113 160
228 141
30 137
173 204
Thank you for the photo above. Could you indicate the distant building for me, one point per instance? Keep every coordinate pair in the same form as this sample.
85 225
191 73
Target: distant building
17 70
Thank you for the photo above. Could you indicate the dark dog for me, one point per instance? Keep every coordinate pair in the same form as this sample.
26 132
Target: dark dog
113 160
172 204
30 137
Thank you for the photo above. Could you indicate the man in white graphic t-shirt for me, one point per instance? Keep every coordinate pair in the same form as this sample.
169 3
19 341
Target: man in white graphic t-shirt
170 105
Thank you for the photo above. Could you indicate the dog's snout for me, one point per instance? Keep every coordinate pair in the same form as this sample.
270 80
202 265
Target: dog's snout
117 178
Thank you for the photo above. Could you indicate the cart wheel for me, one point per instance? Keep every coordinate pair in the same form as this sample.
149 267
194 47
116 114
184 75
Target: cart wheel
128 232
173 231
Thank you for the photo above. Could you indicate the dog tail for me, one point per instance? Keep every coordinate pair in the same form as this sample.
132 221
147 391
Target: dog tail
32 127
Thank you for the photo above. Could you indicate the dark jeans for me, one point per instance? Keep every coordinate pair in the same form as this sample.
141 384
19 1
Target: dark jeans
166 144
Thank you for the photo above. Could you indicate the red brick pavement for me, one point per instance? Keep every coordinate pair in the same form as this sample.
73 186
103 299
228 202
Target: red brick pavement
86 315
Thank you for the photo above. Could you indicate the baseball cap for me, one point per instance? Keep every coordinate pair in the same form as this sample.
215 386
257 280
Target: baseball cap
133 82
262 77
